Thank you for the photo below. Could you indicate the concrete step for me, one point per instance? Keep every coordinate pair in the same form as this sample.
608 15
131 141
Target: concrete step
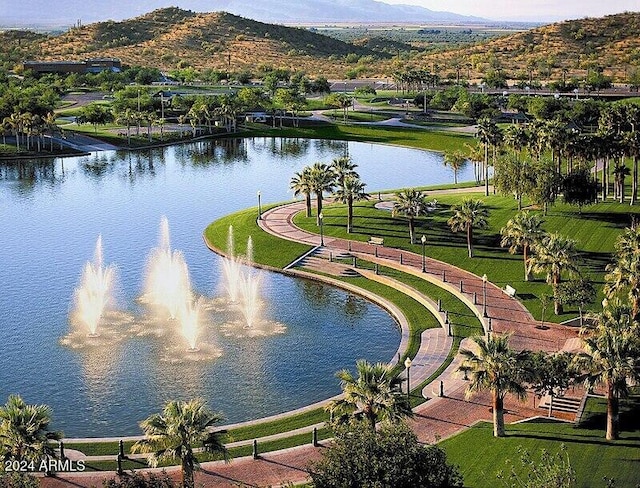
561 404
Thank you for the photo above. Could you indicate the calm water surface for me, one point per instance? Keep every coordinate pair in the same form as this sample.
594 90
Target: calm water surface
51 213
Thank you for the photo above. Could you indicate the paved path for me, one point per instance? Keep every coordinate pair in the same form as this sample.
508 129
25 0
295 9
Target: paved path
438 418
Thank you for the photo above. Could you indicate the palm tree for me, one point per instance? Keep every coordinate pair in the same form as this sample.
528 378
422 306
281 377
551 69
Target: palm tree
497 368
322 180
410 203
485 132
374 394
24 433
455 160
620 172
622 278
352 190
553 255
301 184
173 433
343 167
521 232
469 215
612 358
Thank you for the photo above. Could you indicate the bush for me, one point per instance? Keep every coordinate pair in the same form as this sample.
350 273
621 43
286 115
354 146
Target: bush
389 458
137 480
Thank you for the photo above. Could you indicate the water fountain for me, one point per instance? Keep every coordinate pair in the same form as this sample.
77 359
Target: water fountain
167 284
94 294
231 268
189 319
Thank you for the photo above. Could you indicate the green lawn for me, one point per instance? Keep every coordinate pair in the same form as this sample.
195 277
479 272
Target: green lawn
268 250
480 455
595 231
433 140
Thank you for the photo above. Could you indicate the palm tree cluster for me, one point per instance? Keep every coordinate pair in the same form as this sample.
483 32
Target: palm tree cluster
534 158
340 178
29 130
552 254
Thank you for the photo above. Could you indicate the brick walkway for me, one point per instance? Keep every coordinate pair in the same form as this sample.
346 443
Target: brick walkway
438 418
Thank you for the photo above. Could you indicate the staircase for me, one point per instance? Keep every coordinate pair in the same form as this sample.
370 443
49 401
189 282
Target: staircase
329 262
561 404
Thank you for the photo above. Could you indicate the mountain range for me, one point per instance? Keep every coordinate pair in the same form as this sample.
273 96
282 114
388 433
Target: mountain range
68 12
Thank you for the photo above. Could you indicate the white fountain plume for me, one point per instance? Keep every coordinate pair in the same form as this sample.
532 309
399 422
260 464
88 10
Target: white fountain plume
189 321
95 291
231 268
250 287
168 283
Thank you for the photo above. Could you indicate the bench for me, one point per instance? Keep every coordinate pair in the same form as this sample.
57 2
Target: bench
376 241
510 290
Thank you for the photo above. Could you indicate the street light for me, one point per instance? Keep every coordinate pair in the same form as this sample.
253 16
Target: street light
484 294
259 206
320 219
407 364
423 240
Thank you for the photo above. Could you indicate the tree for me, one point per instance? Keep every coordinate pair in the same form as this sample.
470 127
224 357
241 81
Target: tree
389 458
411 204
373 395
553 255
551 471
578 292
551 374
24 431
489 135
173 434
522 232
513 176
322 180
95 114
301 184
455 160
352 190
497 368
470 214
18 480
546 182
140 480
612 358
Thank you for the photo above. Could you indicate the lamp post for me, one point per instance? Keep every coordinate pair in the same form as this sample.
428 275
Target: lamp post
407 364
423 240
320 219
259 206
484 294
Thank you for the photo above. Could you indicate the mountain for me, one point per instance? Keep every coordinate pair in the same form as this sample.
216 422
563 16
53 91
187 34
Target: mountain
567 48
67 12
172 37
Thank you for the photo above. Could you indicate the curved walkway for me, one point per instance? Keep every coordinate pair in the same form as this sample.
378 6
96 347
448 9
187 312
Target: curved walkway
440 417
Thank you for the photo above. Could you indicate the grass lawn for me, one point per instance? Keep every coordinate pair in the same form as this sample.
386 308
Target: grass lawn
435 141
595 230
268 250
480 455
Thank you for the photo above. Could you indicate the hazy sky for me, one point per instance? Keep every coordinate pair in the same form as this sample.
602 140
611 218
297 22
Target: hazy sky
528 9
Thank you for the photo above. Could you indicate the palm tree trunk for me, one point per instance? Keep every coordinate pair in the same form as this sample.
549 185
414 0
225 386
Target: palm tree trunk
486 170
307 197
470 240
613 413
349 215
411 230
525 253
557 306
498 415
187 474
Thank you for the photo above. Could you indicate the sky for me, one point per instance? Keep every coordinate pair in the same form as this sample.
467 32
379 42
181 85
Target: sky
528 10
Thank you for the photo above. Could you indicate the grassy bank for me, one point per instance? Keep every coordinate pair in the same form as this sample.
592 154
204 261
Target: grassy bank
595 230
481 456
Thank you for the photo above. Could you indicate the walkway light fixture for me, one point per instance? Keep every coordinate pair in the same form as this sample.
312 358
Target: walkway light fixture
423 240
321 220
484 294
259 206
407 364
